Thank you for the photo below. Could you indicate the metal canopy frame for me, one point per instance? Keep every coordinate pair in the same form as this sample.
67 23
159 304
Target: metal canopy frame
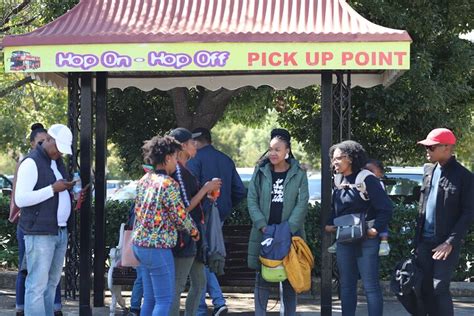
335 107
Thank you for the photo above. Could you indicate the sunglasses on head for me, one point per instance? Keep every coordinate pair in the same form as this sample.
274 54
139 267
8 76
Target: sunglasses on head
433 147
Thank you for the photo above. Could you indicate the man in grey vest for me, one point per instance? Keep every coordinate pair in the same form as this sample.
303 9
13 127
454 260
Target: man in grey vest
42 194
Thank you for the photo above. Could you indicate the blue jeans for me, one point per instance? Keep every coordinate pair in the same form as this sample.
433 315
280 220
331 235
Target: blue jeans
21 277
137 293
44 259
157 271
215 292
262 291
363 259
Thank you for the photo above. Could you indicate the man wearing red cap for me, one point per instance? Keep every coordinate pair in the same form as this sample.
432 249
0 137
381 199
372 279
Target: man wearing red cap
445 213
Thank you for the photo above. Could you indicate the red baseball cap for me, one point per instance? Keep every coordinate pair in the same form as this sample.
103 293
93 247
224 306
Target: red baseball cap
439 136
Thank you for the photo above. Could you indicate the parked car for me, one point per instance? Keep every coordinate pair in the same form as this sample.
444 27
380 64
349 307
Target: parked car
404 183
6 184
113 186
127 192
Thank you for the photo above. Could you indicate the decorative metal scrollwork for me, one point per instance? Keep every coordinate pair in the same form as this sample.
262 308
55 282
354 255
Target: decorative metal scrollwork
72 254
341 95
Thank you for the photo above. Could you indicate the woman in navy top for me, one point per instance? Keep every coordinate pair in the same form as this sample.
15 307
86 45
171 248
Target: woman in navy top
348 159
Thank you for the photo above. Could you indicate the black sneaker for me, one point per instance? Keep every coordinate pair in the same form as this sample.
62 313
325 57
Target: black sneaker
58 313
20 313
221 310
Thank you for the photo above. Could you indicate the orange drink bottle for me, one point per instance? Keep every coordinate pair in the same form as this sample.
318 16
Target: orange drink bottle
216 193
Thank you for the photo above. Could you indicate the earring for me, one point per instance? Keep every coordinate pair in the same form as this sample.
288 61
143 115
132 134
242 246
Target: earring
287 156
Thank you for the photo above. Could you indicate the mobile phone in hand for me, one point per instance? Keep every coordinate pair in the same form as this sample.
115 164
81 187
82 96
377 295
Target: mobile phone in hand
81 193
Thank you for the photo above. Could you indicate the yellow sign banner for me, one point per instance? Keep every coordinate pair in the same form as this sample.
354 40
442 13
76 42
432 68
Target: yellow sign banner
208 57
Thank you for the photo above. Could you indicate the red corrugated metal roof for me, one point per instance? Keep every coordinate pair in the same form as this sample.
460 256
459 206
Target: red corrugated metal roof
152 21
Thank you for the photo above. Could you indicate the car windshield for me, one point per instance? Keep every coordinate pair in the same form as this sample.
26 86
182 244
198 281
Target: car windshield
403 184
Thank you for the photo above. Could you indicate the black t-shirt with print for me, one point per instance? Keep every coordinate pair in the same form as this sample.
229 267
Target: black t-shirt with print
276 206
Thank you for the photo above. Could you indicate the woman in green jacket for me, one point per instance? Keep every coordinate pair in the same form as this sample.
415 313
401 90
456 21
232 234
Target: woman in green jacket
278 192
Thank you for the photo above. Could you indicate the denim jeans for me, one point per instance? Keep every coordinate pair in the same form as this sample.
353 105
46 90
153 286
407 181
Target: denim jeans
262 291
215 292
21 277
184 267
157 271
137 293
44 259
363 259
437 276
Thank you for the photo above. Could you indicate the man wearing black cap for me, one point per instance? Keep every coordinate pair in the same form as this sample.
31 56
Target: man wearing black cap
211 163
445 213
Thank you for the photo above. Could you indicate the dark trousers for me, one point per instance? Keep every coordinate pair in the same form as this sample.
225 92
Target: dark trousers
437 276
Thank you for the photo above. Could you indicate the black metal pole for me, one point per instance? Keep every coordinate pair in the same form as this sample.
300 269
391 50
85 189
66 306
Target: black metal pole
100 187
71 270
85 226
326 142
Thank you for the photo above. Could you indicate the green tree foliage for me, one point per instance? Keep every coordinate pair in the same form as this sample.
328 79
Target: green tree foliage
436 92
25 105
22 100
133 117
247 144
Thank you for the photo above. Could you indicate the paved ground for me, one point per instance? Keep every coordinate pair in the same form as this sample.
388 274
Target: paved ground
242 304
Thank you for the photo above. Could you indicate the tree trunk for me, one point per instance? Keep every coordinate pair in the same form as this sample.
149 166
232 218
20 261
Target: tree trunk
210 109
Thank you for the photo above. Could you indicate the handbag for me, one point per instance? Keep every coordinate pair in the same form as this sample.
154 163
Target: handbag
275 274
351 228
128 257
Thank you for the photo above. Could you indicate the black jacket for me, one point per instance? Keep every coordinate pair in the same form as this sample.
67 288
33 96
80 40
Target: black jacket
454 203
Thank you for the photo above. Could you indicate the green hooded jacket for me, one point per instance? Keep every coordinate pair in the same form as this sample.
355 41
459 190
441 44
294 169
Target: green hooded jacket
295 204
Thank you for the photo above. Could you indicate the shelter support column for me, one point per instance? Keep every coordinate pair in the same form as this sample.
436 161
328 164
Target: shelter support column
100 187
326 178
71 270
85 213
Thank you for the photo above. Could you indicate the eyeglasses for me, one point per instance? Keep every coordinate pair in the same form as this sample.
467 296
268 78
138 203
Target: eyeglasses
339 158
433 147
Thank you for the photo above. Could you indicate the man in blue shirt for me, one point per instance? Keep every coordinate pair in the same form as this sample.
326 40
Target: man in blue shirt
211 163
445 214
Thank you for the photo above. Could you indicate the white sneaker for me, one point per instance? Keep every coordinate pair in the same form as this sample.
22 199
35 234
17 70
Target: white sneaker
384 249
332 248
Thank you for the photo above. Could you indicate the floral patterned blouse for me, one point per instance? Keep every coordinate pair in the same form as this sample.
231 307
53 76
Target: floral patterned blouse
159 212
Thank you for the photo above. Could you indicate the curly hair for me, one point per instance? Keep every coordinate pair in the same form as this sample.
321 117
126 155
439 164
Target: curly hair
354 151
156 149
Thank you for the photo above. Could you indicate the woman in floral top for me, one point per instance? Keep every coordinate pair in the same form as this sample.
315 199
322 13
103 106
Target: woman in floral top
159 214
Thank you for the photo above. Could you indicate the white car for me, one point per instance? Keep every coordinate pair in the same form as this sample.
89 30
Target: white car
404 182
125 193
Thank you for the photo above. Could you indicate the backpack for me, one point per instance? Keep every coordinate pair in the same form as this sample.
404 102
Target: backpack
406 284
359 184
275 247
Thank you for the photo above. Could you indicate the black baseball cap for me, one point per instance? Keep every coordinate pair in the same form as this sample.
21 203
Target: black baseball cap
204 132
182 134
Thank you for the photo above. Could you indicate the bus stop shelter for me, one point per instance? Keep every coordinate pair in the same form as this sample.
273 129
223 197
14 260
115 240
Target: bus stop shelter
148 44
